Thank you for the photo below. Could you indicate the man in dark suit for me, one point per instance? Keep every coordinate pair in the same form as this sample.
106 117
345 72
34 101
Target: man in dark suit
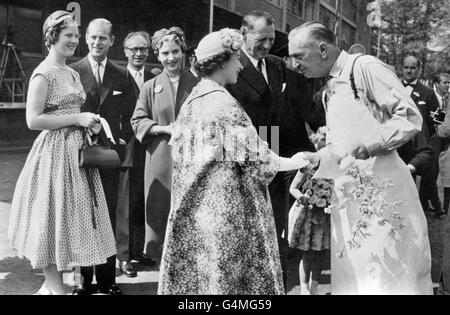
111 93
260 91
300 110
427 103
130 231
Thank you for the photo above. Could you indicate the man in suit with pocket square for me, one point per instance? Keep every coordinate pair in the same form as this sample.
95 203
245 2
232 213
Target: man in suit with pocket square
426 101
260 90
111 93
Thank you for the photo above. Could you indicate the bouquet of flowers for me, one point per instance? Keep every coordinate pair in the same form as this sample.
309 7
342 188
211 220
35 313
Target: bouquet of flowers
369 192
317 192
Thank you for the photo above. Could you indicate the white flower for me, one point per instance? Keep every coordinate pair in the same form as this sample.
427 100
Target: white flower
227 41
236 45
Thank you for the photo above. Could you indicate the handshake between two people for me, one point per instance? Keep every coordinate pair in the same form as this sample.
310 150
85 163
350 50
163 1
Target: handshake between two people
312 159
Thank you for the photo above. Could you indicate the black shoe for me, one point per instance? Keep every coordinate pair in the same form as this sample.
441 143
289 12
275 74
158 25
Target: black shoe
127 269
146 261
83 290
440 214
114 290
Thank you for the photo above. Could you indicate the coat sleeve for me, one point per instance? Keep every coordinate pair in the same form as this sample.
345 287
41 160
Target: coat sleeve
424 154
404 118
242 145
142 120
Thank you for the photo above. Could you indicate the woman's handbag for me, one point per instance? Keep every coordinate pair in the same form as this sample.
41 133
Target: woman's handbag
98 156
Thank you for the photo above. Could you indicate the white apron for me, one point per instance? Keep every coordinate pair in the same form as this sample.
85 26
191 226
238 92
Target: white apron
385 264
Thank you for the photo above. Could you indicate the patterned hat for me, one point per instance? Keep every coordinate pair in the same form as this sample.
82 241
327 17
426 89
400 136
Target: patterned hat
218 42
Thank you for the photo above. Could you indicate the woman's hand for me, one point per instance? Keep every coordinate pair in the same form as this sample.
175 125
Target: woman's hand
313 158
163 130
87 120
95 130
361 153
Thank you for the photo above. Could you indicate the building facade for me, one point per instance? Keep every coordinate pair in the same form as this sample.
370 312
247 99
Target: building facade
21 25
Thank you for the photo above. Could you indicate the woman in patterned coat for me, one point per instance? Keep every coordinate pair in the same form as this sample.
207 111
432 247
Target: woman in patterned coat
221 236
53 221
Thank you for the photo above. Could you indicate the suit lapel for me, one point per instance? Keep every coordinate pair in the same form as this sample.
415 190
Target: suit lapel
88 79
275 82
108 79
252 76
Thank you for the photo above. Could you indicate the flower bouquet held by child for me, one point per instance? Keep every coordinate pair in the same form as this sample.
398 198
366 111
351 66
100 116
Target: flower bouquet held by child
309 225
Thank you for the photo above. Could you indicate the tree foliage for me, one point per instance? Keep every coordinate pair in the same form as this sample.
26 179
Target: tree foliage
418 27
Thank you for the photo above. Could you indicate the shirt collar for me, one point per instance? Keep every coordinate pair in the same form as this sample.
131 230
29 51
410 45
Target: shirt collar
437 93
134 72
94 63
339 65
253 60
412 83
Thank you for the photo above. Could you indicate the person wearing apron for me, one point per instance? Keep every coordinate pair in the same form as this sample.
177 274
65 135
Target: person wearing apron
369 116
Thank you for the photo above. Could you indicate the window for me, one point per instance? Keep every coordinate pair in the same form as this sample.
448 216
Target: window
328 18
19 19
276 2
348 35
310 10
296 7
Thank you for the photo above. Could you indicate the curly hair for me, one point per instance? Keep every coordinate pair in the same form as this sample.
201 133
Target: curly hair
164 35
52 32
209 66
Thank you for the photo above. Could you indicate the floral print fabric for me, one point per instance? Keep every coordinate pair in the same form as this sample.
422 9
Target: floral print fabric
221 236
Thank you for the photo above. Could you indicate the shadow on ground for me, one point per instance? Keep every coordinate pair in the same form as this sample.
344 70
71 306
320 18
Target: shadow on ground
18 278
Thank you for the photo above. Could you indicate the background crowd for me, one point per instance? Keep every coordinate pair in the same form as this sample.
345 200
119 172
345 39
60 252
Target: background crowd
52 223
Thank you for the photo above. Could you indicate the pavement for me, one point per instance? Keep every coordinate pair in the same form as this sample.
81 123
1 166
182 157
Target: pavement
18 278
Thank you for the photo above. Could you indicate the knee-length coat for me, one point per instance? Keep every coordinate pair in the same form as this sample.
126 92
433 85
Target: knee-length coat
157 106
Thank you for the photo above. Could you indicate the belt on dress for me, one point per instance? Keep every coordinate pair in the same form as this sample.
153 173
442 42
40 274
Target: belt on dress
90 180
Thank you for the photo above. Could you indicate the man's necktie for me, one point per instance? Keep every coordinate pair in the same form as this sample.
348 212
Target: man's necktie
99 79
413 85
139 80
260 65
445 101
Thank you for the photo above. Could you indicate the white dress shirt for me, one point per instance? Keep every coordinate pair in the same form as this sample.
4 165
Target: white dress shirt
94 66
409 88
385 97
255 63
138 76
439 97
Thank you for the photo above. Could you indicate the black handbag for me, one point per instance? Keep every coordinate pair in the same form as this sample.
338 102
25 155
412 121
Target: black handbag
98 156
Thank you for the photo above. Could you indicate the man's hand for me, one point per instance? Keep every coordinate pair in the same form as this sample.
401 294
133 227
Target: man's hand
412 169
361 153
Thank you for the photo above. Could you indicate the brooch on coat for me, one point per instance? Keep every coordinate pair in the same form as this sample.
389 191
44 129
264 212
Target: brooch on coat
158 89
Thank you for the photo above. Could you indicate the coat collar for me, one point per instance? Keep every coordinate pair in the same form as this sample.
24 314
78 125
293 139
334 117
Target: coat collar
205 87
163 89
